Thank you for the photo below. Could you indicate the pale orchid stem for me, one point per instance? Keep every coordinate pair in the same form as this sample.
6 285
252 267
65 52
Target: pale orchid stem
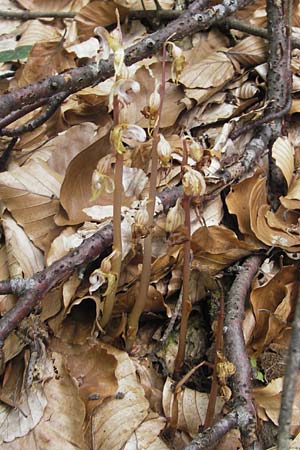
186 303
143 286
117 239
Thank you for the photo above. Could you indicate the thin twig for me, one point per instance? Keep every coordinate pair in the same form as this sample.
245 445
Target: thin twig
28 15
4 158
53 104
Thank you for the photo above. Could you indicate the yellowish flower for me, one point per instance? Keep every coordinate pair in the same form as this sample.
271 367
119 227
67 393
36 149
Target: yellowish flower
178 61
175 217
193 182
129 134
164 150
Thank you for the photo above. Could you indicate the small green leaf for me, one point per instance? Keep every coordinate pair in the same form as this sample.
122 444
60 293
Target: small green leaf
253 362
14 55
260 376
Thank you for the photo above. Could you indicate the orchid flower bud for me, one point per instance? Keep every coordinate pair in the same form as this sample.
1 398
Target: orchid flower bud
175 217
164 150
195 150
142 216
101 182
103 275
154 100
193 182
130 134
178 61
124 90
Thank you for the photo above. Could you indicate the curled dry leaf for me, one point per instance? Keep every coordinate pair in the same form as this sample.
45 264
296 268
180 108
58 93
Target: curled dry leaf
283 153
97 13
272 305
217 247
93 369
24 259
268 400
192 406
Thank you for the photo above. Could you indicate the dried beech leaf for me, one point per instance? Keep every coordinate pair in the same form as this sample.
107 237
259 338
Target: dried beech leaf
76 189
31 194
192 406
213 71
268 399
274 229
124 413
93 369
95 14
45 59
17 422
216 247
250 51
272 306
24 259
147 434
61 426
283 153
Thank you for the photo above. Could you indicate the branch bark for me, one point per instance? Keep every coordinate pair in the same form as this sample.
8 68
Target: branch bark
76 79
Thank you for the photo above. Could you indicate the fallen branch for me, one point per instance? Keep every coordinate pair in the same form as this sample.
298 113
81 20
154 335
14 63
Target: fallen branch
243 414
289 384
32 290
235 349
29 15
73 80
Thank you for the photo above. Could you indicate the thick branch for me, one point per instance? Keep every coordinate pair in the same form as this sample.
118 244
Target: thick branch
235 349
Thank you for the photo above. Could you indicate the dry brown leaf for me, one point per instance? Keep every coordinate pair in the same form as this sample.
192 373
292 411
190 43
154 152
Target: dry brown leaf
292 198
62 423
93 369
51 5
31 194
147 434
192 406
76 189
79 322
238 203
268 399
217 247
60 150
272 306
37 31
212 71
24 259
124 413
283 153
250 51
97 13
149 4
18 419
45 59
274 229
